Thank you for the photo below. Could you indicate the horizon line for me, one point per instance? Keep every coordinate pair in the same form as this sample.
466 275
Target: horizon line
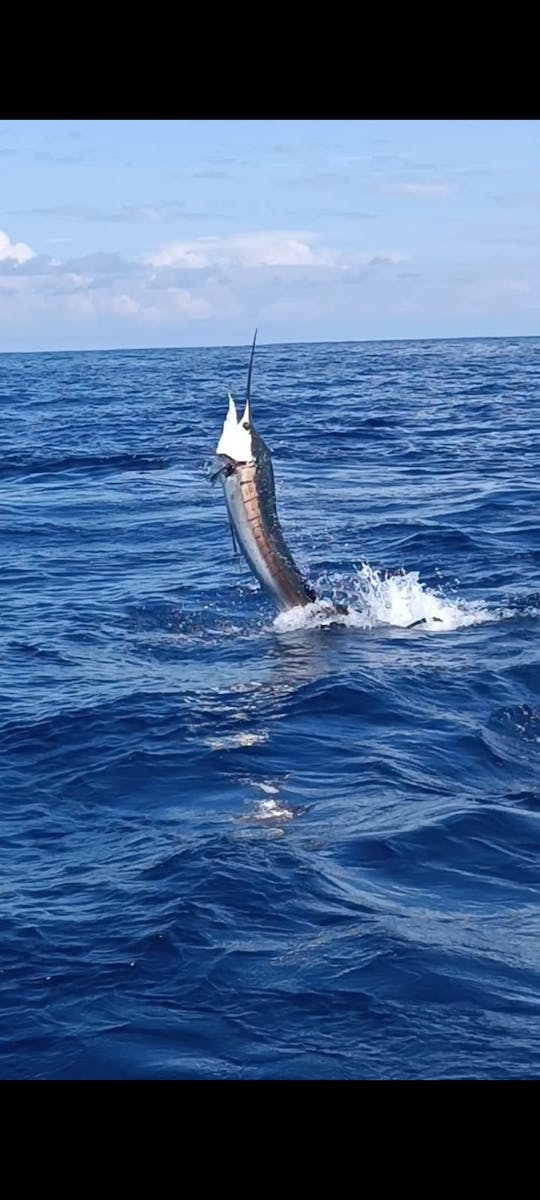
486 337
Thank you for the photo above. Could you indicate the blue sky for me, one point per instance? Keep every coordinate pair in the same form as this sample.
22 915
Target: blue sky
164 233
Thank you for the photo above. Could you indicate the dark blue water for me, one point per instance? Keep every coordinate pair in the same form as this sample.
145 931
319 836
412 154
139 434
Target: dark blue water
238 848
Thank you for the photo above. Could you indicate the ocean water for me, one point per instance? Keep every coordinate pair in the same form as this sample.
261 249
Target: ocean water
235 846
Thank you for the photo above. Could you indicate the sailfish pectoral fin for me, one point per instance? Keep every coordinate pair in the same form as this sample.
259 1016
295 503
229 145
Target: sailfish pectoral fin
235 547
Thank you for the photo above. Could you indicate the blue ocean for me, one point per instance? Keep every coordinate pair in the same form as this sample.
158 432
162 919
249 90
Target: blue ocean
242 845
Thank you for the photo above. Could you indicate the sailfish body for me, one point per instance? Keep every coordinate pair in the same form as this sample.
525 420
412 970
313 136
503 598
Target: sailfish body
248 483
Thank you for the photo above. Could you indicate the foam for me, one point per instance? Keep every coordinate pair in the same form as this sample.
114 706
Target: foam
271 810
375 598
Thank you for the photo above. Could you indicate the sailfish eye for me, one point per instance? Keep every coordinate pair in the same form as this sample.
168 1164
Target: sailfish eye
246 425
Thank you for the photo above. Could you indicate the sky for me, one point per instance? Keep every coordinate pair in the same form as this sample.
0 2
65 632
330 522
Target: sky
191 233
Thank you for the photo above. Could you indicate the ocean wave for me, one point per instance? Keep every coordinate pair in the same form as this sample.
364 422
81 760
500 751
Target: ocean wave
209 815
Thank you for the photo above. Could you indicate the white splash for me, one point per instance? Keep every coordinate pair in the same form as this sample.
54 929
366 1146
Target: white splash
376 599
271 810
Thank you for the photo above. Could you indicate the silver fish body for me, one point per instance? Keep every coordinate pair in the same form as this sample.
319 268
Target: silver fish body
251 503
248 482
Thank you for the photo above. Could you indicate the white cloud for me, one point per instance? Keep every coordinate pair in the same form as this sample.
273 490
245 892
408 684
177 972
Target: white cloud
422 190
283 275
280 278
264 249
172 303
120 306
284 309
384 258
17 252
76 280
78 305
185 304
